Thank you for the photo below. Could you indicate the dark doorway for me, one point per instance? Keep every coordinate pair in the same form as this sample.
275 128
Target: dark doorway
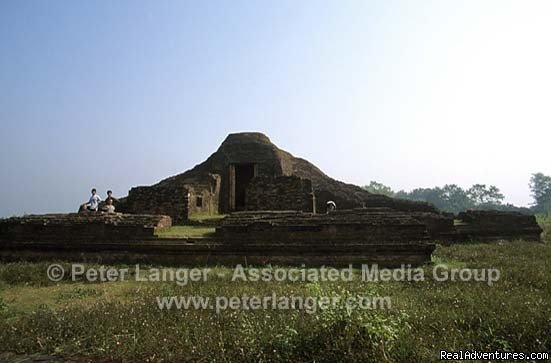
243 176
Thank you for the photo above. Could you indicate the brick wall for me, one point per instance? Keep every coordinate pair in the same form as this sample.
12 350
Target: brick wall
363 226
159 200
487 225
81 227
279 193
204 198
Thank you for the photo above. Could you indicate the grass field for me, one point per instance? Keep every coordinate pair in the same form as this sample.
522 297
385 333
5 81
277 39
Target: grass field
200 227
120 321
544 221
186 231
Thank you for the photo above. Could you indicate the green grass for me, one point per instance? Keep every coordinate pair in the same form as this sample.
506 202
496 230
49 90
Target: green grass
120 321
544 221
201 217
185 231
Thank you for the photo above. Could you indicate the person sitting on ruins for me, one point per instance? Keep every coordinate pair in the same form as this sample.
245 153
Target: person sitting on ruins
92 204
330 206
108 207
111 197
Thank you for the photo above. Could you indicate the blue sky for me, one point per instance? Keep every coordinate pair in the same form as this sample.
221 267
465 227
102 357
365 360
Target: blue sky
411 94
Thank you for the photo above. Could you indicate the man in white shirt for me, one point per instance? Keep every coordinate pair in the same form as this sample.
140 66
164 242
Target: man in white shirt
93 202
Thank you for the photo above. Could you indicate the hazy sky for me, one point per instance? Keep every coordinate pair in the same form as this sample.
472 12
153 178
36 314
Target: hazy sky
115 94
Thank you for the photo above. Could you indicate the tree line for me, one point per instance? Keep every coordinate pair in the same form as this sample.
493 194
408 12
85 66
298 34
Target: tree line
452 198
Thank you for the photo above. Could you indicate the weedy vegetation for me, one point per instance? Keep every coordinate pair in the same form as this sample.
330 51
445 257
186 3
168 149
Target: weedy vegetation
121 321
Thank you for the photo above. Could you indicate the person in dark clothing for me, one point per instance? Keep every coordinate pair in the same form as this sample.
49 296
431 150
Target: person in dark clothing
110 197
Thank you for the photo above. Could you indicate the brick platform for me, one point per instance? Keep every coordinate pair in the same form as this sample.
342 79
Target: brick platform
81 227
495 225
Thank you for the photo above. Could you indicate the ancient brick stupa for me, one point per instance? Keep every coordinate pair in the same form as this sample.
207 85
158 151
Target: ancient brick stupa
272 198
249 172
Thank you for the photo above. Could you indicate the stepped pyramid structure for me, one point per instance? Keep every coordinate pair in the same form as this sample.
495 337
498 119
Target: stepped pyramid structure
249 172
272 198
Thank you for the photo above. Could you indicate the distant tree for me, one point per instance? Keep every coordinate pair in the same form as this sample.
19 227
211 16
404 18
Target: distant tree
401 194
436 196
379 188
481 195
506 208
430 195
456 198
540 186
